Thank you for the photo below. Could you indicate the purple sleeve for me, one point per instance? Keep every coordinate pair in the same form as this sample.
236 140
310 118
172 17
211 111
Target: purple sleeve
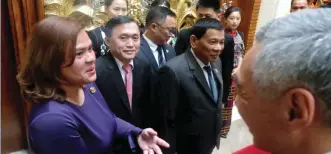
127 130
54 133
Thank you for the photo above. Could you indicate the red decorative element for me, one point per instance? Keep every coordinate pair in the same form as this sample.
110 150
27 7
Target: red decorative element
251 150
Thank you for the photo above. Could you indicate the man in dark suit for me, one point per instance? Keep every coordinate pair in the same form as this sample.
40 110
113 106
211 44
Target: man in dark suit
122 79
190 89
210 9
161 26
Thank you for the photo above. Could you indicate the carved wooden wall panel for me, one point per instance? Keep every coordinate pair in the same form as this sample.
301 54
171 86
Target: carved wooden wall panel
250 14
23 14
12 128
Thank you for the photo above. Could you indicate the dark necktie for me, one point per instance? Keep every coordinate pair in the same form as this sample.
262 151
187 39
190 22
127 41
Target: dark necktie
212 83
160 58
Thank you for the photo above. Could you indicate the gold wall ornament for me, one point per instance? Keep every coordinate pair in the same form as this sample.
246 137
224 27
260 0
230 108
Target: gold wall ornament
185 12
136 11
83 12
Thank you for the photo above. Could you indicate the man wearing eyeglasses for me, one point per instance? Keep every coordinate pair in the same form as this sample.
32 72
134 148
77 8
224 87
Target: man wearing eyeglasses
154 49
160 27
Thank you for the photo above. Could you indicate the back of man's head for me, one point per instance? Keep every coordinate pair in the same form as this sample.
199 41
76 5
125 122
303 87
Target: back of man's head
296 52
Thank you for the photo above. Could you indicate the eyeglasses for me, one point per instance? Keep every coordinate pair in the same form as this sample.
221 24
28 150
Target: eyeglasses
171 30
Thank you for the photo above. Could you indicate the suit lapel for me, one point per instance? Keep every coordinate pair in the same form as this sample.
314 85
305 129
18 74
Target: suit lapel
198 72
148 52
118 80
168 52
136 81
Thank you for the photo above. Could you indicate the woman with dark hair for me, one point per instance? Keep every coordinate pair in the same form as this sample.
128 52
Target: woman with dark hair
69 114
113 8
232 19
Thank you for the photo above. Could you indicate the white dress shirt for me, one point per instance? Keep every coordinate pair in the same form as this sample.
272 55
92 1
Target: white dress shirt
153 47
201 64
120 66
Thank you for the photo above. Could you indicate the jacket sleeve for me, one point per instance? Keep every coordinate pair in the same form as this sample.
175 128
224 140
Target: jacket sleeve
167 89
54 133
182 42
127 131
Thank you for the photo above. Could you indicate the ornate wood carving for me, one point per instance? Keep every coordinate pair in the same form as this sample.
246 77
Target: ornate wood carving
13 136
250 12
23 14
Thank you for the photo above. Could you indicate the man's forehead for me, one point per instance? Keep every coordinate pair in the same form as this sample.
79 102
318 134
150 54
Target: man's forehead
300 2
170 21
127 28
203 10
214 34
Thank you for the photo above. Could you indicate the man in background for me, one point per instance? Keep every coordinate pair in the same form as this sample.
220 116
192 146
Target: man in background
190 89
297 5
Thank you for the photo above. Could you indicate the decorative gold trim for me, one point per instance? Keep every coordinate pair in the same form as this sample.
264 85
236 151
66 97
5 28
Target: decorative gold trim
253 24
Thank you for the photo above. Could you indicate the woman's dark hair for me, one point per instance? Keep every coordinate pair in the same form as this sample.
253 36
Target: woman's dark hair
160 3
230 10
53 42
110 2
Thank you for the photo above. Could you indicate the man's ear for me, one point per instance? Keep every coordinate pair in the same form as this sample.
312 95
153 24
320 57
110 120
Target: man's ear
193 41
152 27
107 41
301 106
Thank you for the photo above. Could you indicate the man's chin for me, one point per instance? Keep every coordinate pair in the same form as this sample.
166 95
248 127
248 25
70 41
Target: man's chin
212 60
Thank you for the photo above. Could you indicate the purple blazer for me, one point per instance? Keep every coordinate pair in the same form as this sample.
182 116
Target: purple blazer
64 128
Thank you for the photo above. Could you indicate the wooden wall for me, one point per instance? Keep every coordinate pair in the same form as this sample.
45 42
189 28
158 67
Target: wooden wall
17 20
250 13
12 128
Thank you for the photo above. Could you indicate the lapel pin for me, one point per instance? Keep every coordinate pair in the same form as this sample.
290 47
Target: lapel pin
92 90
215 70
167 51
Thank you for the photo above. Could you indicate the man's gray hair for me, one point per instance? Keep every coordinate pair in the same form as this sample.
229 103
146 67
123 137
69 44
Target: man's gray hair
295 52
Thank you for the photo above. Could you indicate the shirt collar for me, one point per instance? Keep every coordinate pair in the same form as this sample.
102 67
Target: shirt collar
201 64
151 44
120 64
230 32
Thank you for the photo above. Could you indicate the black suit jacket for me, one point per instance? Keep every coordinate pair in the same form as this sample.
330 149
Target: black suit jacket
190 115
227 56
145 53
112 87
97 41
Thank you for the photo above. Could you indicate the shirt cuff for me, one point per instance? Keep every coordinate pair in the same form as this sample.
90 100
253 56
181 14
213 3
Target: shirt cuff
132 136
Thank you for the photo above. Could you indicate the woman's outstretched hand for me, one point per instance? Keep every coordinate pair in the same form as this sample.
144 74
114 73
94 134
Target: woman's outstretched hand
149 142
